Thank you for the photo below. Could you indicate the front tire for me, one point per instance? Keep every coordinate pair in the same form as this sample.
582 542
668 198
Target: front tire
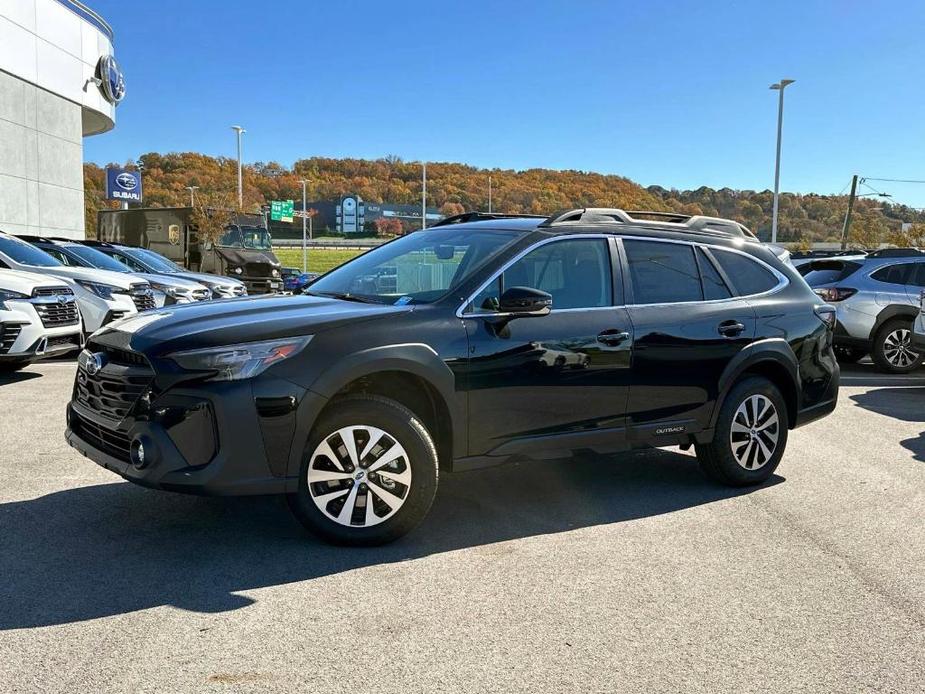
750 435
892 350
369 473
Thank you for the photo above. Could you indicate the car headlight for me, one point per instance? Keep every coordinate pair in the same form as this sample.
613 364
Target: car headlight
275 272
6 295
104 291
237 362
236 270
168 290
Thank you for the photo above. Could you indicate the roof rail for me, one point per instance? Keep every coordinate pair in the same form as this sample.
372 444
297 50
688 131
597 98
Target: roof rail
895 253
480 216
41 239
697 223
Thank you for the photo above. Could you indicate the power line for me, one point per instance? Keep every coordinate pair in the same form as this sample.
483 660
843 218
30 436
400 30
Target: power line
893 180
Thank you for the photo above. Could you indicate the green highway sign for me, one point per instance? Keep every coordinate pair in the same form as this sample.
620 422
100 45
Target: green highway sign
281 210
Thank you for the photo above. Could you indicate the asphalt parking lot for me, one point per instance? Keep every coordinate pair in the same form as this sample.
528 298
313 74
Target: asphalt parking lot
630 573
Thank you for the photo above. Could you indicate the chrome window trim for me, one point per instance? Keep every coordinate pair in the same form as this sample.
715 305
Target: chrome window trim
460 313
782 280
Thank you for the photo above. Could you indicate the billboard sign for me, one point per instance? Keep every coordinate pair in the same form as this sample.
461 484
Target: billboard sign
122 185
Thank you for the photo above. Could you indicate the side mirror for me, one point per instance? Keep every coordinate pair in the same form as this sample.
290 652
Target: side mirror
525 301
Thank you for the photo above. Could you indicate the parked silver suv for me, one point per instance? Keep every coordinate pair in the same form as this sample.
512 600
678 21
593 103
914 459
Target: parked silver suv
877 300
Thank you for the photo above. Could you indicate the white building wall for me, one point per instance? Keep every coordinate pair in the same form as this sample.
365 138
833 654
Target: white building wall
47 105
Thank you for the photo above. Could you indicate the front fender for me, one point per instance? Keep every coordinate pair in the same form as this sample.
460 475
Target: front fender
413 358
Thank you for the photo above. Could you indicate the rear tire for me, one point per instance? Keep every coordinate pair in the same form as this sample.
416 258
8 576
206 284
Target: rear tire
849 355
892 349
369 473
750 435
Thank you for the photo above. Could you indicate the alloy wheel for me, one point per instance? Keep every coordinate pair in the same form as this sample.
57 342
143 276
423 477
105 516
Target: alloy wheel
359 476
754 433
897 348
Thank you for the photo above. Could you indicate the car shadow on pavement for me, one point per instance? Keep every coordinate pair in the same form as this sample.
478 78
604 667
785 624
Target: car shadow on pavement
907 404
116 548
18 377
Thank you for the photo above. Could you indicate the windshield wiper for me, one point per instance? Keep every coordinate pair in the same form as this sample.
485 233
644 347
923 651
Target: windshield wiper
346 296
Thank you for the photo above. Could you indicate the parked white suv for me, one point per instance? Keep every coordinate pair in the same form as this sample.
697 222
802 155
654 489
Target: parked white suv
102 296
38 318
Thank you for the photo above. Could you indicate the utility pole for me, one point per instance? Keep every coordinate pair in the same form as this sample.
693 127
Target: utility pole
489 195
851 198
240 131
779 86
424 197
192 199
304 246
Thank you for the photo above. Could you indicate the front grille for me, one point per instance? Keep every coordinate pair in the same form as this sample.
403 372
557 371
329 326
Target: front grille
258 269
116 387
53 291
108 440
8 334
143 297
58 314
202 294
239 290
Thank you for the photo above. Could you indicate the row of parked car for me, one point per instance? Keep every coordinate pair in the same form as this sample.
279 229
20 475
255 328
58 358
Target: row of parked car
878 297
55 292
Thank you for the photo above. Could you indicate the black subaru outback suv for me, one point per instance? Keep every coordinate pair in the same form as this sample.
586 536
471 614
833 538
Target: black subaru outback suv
480 340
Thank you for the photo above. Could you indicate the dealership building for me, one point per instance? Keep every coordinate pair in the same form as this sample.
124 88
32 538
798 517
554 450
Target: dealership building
59 83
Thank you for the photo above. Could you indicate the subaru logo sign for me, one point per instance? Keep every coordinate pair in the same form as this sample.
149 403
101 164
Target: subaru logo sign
122 185
126 181
94 363
112 82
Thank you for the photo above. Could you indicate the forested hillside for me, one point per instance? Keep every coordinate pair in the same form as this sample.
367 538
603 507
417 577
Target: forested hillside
457 187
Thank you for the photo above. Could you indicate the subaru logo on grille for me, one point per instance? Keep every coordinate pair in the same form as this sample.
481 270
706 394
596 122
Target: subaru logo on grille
95 362
62 298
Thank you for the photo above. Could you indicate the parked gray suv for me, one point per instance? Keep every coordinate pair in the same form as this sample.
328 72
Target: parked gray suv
877 300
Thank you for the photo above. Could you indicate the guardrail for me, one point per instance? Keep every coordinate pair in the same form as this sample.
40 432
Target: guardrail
347 244
88 15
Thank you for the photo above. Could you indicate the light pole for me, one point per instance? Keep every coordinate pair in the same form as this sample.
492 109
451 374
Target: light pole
240 131
779 86
424 196
304 245
192 199
489 195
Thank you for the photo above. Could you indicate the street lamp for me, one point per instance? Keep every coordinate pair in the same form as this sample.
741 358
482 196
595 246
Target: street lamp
489 195
424 196
192 200
779 86
240 131
304 216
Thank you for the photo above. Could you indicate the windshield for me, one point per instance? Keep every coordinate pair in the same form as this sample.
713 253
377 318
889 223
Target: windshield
417 268
155 260
97 259
246 237
25 253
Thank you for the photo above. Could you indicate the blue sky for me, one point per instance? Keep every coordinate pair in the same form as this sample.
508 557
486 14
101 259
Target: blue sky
674 94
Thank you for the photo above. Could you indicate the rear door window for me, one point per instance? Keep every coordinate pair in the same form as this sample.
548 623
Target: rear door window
748 276
713 285
917 276
662 273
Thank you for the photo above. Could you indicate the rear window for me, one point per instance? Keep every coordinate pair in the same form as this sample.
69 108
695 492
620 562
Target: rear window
746 274
893 274
827 271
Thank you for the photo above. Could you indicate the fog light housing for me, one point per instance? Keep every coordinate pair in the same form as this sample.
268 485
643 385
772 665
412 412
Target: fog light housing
141 452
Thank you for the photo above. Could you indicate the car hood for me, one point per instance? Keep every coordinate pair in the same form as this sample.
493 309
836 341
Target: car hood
241 256
171 280
27 282
116 279
232 321
209 280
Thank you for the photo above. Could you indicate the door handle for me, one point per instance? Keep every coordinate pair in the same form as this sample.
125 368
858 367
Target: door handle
731 328
613 337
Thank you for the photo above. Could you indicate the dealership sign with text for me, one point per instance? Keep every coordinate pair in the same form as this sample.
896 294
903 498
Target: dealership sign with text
123 185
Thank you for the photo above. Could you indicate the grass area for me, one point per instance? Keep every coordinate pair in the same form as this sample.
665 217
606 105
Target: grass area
319 259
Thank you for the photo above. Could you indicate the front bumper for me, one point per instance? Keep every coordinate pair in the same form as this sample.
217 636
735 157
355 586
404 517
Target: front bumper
24 337
261 285
218 439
